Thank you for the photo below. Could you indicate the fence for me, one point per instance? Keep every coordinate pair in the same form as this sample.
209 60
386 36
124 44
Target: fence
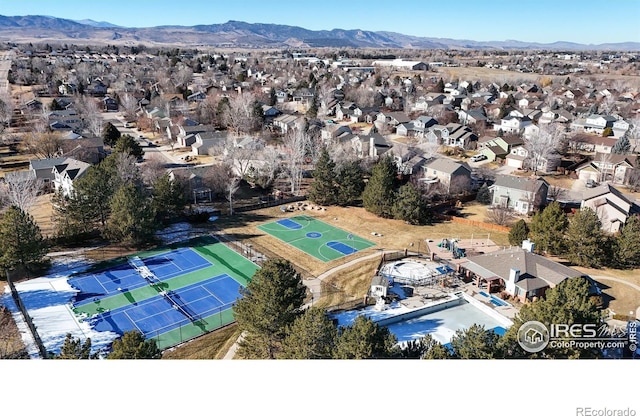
267 204
485 225
27 318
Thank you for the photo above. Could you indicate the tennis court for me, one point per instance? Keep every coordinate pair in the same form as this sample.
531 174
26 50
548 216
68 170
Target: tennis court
315 237
170 295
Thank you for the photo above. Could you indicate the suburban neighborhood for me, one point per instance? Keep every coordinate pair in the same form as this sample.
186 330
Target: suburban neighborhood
481 183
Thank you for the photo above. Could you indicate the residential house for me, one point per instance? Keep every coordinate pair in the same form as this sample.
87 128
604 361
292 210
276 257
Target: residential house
417 127
286 122
392 118
452 176
460 136
194 179
66 172
608 167
592 143
594 123
206 142
187 133
371 145
521 272
612 206
42 170
498 147
472 116
512 124
522 194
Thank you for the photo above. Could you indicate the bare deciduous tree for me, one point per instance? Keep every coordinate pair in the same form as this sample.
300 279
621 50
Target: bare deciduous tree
500 215
129 105
542 147
239 116
232 187
43 145
20 189
295 144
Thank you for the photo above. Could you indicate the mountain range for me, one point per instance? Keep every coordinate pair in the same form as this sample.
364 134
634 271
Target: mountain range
42 29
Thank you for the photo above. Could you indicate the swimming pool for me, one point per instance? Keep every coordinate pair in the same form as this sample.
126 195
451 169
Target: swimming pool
494 299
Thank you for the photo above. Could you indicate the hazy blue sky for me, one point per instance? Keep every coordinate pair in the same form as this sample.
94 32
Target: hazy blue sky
546 21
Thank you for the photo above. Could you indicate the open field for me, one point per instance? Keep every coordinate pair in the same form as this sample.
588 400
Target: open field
499 76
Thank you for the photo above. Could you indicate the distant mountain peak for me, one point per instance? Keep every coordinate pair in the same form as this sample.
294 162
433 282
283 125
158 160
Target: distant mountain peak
257 35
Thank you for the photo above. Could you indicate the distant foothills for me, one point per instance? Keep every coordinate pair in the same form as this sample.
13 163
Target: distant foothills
20 29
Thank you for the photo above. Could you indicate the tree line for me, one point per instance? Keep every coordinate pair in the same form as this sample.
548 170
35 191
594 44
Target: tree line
579 238
381 193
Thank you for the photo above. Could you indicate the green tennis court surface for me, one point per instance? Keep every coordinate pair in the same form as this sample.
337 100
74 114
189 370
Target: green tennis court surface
191 291
315 237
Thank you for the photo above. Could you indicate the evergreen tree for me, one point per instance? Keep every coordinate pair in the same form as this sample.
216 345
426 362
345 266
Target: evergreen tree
93 192
518 233
21 242
426 347
622 146
474 342
311 336
74 349
323 188
133 346
408 205
379 194
365 339
350 183
269 304
273 99
568 303
627 244
439 86
168 198
587 242
484 195
110 134
127 144
132 219
547 229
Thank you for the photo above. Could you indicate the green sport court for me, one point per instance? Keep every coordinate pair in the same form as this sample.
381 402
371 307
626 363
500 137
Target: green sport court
170 295
315 237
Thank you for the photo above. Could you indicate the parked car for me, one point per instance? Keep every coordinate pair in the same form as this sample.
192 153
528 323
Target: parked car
591 183
478 158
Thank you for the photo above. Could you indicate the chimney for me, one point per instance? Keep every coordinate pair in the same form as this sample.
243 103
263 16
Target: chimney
514 275
528 245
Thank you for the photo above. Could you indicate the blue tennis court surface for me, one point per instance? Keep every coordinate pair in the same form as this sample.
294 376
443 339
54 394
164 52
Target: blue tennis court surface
292 225
157 315
341 247
164 266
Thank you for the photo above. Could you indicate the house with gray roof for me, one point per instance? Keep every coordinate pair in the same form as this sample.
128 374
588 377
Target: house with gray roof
522 194
520 271
66 172
42 169
451 175
612 206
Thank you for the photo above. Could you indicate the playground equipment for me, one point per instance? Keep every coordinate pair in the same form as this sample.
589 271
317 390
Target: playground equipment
452 246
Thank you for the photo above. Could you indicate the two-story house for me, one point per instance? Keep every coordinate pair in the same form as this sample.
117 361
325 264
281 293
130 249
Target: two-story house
452 176
523 195
66 172
612 207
